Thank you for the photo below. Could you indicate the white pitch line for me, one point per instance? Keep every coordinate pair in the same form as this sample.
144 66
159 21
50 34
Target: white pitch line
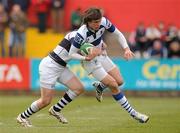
41 115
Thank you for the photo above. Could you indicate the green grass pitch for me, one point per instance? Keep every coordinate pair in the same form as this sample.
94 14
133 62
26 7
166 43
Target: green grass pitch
86 115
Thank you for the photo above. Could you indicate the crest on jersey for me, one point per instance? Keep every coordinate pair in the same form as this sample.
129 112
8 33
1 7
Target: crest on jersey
78 39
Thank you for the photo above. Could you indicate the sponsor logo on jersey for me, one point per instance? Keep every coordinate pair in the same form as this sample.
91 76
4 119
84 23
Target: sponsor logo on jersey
78 39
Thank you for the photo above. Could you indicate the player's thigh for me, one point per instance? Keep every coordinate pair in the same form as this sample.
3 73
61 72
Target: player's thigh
95 68
112 69
107 63
69 79
75 85
49 72
101 75
115 73
92 65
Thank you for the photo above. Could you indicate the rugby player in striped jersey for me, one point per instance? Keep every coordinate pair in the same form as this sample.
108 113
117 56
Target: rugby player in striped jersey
101 67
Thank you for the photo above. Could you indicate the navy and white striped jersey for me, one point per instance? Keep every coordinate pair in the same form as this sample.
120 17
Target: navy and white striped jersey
86 35
83 35
62 49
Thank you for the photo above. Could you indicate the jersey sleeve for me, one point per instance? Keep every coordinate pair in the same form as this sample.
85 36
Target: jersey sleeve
78 40
73 53
108 25
80 37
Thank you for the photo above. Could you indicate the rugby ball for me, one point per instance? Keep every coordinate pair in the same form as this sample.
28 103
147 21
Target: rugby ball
86 48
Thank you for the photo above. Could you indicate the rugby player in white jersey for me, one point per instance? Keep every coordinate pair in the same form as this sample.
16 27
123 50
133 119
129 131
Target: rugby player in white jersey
101 67
53 69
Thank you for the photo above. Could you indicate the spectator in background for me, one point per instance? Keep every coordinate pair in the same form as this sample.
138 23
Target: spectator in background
76 18
152 33
178 34
58 15
141 40
18 24
174 49
24 4
157 50
172 34
3 23
7 4
162 30
132 44
42 8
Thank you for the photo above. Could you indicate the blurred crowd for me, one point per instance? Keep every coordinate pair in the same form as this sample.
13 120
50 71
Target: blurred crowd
153 41
17 22
13 15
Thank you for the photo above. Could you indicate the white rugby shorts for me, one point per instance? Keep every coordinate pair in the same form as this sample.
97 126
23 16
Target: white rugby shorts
99 66
51 72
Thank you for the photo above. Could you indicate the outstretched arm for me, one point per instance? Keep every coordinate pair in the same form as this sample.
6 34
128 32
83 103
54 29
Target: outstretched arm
121 38
128 54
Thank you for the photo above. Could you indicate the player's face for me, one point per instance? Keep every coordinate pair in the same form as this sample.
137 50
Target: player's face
94 24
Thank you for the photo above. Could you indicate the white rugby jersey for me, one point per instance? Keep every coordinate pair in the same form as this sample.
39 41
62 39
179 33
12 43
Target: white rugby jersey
62 49
86 35
94 37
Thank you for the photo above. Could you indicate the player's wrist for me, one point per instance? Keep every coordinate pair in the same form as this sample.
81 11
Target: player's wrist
126 48
85 58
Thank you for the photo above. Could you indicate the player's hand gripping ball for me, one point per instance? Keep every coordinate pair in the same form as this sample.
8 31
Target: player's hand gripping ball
86 49
89 51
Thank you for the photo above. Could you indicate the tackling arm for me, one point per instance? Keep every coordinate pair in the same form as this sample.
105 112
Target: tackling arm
128 54
121 39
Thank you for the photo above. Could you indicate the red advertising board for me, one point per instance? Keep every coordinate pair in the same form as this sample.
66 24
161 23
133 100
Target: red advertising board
14 74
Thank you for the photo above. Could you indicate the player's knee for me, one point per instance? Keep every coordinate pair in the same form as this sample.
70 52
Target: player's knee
79 91
45 101
120 82
115 90
112 84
